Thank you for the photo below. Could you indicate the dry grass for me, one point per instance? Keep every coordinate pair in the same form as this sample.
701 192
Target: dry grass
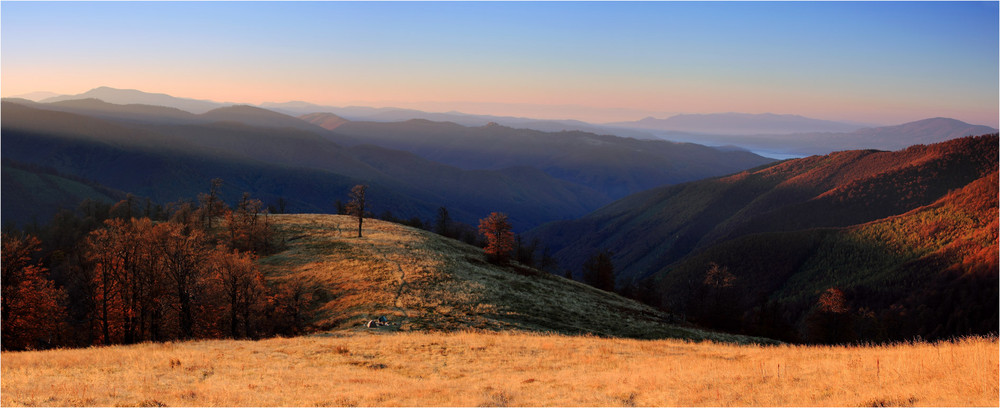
502 369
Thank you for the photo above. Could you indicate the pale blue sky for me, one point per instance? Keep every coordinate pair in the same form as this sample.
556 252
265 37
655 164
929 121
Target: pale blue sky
883 63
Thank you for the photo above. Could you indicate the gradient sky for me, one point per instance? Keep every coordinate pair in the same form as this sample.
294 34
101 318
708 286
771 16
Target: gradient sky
880 63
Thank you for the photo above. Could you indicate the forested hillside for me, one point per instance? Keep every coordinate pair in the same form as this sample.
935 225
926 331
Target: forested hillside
781 230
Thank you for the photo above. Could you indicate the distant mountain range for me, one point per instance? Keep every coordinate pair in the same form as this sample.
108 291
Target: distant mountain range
780 135
168 154
740 124
612 165
893 230
932 130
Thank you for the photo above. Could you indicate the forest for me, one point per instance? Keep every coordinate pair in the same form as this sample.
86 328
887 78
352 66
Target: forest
134 271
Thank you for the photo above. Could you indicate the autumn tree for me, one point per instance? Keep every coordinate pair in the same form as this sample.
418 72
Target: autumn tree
830 320
212 205
242 288
128 279
716 303
248 226
499 237
599 272
184 252
358 203
33 309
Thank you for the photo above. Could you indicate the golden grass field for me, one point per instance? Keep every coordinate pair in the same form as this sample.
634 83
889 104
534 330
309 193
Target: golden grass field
467 333
358 368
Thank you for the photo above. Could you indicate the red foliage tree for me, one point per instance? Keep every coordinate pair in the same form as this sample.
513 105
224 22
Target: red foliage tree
33 309
499 237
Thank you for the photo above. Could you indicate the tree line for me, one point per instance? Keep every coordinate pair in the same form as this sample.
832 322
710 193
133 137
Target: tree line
128 272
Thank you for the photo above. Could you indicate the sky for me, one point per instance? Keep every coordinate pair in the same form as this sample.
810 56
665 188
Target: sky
880 63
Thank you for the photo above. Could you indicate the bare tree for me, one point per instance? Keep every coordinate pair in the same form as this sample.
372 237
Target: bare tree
356 206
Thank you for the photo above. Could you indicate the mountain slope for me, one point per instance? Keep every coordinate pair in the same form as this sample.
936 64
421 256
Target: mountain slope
613 165
931 272
34 195
422 281
649 230
770 225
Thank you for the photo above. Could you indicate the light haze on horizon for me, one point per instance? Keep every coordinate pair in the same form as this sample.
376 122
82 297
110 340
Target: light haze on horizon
881 63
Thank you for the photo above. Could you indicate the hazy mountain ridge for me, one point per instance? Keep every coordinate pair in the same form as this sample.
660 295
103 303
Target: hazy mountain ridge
925 131
613 165
133 96
169 162
740 124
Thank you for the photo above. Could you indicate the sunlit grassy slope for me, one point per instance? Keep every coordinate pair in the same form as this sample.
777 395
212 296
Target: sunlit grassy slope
422 281
501 369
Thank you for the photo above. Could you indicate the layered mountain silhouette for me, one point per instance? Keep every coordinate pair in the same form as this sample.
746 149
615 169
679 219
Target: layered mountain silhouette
791 135
614 166
780 231
168 162
136 97
168 154
740 124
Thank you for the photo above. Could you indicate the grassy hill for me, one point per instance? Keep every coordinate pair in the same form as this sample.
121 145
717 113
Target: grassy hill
424 282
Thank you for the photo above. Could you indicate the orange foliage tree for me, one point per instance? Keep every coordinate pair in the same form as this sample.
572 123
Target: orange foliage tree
499 237
33 308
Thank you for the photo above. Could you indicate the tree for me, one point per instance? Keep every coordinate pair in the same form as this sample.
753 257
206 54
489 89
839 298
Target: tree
242 287
599 272
211 205
356 206
33 308
830 320
716 304
184 252
248 230
499 237
443 222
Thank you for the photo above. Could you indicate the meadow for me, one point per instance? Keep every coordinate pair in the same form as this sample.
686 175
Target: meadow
361 367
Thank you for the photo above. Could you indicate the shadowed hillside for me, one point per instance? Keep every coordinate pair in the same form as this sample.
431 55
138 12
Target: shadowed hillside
655 228
32 194
906 240
422 281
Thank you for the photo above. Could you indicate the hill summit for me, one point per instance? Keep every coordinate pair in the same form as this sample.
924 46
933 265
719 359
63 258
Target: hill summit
425 282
